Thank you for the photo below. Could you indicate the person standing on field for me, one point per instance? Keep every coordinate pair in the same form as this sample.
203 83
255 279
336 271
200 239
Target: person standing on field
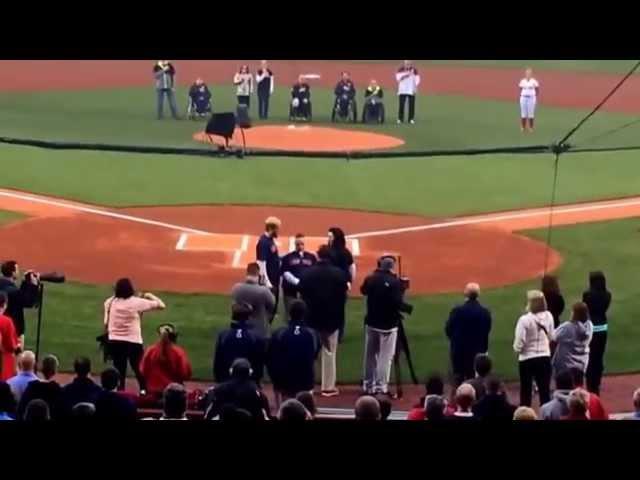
243 80
385 305
529 92
533 336
264 84
324 290
294 263
598 299
122 320
268 259
408 80
165 76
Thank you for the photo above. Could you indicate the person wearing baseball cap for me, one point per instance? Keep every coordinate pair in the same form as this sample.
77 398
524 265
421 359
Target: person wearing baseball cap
268 258
165 362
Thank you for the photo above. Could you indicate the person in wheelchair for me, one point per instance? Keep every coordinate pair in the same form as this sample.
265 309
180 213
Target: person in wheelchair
373 109
300 107
199 100
344 107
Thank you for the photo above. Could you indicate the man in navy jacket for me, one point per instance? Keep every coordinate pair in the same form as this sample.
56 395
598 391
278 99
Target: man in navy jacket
468 330
238 341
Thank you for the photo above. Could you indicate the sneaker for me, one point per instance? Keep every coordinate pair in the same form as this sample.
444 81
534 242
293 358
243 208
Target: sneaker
412 122
330 393
398 121
522 129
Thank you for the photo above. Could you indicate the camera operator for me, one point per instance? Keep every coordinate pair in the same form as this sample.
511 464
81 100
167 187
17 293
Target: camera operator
385 304
25 296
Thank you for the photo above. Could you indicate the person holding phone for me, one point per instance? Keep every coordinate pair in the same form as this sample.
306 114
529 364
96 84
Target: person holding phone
122 319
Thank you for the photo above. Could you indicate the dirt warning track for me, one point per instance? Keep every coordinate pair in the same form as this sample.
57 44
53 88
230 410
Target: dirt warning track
204 248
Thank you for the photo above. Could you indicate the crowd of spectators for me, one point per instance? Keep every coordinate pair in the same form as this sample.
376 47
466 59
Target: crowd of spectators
251 349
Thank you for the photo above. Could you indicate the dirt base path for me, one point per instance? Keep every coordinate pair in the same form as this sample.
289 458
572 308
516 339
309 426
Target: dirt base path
203 249
558 88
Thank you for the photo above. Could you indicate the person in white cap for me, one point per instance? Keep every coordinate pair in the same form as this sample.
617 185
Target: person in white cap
268 258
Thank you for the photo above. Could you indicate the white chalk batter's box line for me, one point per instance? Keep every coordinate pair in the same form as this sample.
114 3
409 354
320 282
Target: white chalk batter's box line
238 245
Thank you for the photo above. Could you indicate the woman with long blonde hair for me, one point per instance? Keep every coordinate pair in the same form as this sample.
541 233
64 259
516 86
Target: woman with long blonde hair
533 336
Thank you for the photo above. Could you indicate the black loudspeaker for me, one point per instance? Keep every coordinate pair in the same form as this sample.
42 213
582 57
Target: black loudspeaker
222 124
242 116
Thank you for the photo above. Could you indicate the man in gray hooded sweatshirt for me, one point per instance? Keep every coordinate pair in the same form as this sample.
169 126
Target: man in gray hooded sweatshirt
558 407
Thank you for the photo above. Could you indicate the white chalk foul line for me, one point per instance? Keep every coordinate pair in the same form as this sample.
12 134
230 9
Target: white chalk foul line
104 213
495 218
245 243
182 241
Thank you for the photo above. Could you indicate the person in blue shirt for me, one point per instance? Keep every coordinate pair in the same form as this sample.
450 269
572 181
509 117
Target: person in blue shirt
26 374
268 258
294 263
7 402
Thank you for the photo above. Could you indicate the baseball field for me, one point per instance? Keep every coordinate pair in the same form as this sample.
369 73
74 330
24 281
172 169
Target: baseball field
184 226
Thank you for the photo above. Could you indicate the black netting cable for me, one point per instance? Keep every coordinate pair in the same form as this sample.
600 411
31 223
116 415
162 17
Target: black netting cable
604 100
607 133
551 206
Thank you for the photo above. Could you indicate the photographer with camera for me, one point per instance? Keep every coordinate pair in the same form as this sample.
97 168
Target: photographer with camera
122 315
19 298
385 305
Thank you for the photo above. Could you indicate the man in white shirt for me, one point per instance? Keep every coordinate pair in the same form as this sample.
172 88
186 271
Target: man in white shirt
408 80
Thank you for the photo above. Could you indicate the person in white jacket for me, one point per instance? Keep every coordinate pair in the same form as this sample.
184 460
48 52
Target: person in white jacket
408 80
533 336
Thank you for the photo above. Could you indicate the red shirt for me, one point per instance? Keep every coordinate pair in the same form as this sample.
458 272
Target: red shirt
162 368
596 409
417 413
8 344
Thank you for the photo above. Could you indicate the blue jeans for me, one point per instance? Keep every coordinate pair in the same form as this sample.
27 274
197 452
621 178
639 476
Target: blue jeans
172 102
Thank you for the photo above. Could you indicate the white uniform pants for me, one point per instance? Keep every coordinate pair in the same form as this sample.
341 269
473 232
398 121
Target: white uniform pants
379 349
527 107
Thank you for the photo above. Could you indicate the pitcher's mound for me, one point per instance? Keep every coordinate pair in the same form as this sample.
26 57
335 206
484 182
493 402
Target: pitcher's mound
306 138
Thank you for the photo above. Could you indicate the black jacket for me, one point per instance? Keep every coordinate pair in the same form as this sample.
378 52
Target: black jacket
385 300
238 342
113 406
79 390
345 88
494 407
301 91
50 392
20 298
468 329
238 393
598 303
555 305
291 357
324 289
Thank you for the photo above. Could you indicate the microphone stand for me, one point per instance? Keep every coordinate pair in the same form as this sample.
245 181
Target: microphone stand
39 327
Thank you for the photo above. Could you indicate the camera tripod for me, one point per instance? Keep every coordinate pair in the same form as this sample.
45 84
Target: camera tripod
402 347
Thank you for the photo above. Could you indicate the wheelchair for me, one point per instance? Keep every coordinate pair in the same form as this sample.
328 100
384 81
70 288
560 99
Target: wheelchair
344 109
373 110
198 107
300 110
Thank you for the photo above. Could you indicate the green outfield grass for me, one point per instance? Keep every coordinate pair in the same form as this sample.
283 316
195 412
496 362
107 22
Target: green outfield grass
72 312
435 186
127 116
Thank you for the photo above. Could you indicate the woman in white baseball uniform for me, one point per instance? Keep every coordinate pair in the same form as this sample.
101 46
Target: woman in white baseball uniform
529 90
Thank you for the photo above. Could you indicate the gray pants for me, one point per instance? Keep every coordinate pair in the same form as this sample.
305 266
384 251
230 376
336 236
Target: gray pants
172 102
379 349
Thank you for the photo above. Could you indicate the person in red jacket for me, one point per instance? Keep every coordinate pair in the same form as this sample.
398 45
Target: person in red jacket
165 362
8 342
595 407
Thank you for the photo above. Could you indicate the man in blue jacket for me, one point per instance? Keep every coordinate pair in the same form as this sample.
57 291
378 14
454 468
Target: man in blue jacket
292 354
238 341
468 330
